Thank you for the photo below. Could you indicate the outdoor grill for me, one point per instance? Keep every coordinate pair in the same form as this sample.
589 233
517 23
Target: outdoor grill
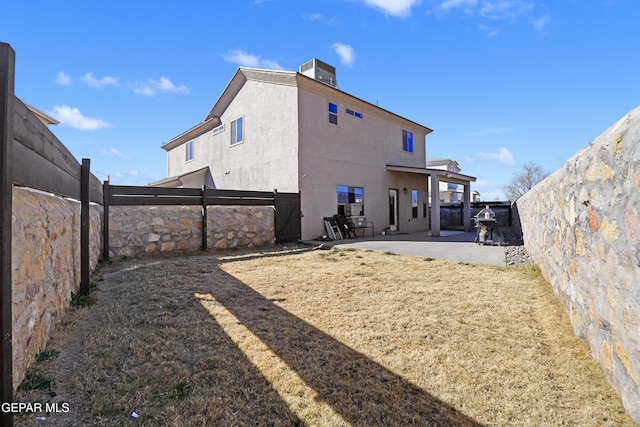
488 232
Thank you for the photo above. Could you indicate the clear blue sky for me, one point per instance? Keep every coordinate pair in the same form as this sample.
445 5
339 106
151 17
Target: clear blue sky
501 82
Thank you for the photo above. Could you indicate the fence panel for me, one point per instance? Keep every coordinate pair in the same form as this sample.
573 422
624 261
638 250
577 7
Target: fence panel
287 205
41 161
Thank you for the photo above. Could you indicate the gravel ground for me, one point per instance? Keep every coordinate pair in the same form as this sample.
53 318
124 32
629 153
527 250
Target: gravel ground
514 250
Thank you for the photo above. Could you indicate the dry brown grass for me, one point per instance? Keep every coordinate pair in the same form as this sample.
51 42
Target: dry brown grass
327 338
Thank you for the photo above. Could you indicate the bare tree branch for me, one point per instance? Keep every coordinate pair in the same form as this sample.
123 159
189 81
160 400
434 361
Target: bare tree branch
524 180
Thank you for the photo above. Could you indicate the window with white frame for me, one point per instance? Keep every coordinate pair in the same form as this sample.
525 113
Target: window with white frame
189 151
237 131
407 141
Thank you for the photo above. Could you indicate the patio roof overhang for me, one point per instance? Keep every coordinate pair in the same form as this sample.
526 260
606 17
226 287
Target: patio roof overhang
437 175
199 175
443 175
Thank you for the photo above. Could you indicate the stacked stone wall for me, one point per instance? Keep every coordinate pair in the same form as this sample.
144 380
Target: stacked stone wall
581 226
148 230
46 252
45 258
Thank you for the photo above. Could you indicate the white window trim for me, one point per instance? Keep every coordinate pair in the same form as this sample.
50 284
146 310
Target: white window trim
186 156
231 126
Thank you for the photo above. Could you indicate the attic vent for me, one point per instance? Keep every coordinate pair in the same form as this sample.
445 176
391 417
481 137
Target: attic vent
320 71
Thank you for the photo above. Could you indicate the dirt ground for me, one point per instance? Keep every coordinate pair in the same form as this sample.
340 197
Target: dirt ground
288 337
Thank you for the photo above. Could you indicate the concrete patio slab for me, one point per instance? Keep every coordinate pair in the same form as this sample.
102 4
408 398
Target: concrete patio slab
451 245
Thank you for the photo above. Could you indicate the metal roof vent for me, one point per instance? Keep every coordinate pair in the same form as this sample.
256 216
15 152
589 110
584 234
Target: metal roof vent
320 71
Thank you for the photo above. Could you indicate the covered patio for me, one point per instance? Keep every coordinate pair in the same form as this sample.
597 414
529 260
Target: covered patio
436 176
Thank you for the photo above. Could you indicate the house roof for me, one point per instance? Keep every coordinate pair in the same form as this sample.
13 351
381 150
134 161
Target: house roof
44 118
289 78
436 162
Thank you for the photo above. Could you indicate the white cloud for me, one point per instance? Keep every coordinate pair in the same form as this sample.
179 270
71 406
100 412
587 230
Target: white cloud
312 17
245 59
63 79
468 159
151 86
540 23
453 4
346 53
113 153
399 8
500 9
497 10
69 116
502 156
104 81
130 177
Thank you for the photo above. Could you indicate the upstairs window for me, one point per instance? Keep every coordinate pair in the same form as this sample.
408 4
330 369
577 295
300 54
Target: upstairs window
354 113
407 141
189 149
237 131
333 113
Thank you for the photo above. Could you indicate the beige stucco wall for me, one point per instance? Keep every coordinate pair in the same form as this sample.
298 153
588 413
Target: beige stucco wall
355 153
290 146
267 159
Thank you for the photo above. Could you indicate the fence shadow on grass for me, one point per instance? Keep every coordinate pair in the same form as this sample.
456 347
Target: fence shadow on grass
361 391
147 347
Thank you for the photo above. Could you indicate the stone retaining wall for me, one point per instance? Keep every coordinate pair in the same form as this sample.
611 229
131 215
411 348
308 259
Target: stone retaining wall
46 252
46 267
146 230
581 226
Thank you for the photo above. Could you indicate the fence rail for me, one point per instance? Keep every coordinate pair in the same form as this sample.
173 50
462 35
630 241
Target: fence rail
124 195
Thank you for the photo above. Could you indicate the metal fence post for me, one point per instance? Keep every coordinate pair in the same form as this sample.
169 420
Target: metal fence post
7 74
204 218
84 227
106 194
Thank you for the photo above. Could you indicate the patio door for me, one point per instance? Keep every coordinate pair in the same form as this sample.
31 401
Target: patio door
393 209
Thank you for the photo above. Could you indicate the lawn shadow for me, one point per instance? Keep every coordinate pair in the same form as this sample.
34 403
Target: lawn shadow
359 389
148 348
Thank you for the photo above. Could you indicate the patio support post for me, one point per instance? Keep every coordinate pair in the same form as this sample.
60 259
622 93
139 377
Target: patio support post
435 205
466 207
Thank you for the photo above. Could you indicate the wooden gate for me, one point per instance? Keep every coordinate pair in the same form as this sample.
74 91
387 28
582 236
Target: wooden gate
288 217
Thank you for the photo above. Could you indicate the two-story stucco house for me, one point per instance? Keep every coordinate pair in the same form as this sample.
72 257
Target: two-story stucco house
297 132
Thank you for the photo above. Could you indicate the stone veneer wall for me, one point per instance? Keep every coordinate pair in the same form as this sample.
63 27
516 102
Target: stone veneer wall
144 230
46 252
46 267
581 226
